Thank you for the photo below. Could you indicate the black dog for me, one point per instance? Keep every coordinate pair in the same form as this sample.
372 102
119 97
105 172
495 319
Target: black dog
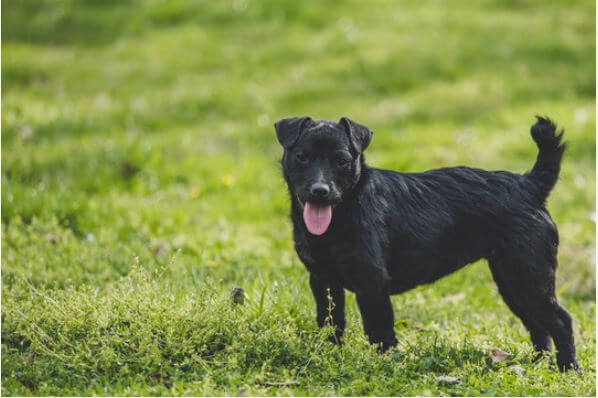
379 232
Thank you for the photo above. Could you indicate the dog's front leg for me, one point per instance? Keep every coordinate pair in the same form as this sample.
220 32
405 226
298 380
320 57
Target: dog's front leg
330 304
377 318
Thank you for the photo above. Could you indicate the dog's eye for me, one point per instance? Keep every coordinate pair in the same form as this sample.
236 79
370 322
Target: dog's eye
301 157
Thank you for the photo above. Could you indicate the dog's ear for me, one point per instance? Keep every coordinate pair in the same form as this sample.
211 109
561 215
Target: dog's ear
288 130
359 135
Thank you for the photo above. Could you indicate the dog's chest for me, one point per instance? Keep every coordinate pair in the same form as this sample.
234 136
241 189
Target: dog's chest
333 258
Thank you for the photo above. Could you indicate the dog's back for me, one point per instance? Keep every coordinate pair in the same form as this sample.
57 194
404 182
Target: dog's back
440 220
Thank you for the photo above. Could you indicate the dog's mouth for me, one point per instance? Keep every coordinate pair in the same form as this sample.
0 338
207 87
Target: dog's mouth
317 217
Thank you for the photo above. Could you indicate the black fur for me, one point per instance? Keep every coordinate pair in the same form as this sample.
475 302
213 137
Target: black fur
391 231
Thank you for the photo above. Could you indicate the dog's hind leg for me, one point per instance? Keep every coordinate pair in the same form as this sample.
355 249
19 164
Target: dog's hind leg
558 321
526 282
539 335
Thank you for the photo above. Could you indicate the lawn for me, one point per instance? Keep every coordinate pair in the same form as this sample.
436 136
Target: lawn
141 183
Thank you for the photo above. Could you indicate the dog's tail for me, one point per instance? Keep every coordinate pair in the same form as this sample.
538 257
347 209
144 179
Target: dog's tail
548 164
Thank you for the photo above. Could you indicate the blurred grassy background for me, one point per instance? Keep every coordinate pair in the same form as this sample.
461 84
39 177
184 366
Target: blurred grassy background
140 132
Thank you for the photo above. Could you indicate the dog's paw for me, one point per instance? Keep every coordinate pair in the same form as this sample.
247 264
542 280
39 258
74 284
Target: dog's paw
567 366
385 342
336 339
389 344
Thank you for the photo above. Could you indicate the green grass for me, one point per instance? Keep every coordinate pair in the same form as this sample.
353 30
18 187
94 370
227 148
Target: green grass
140 184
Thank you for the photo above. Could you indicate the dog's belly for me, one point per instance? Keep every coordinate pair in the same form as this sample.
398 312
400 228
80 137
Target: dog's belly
410 271
413 261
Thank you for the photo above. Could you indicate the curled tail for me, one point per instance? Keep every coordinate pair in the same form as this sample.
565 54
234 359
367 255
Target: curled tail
548 164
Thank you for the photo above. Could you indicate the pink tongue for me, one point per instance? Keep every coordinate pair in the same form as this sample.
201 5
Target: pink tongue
317 217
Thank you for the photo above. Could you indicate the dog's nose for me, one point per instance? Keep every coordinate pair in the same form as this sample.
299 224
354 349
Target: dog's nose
319 189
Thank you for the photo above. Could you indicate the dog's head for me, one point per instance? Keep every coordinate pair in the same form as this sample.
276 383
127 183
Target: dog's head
321 163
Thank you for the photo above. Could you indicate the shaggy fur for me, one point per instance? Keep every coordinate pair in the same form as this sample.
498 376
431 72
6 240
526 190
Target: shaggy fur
391 231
